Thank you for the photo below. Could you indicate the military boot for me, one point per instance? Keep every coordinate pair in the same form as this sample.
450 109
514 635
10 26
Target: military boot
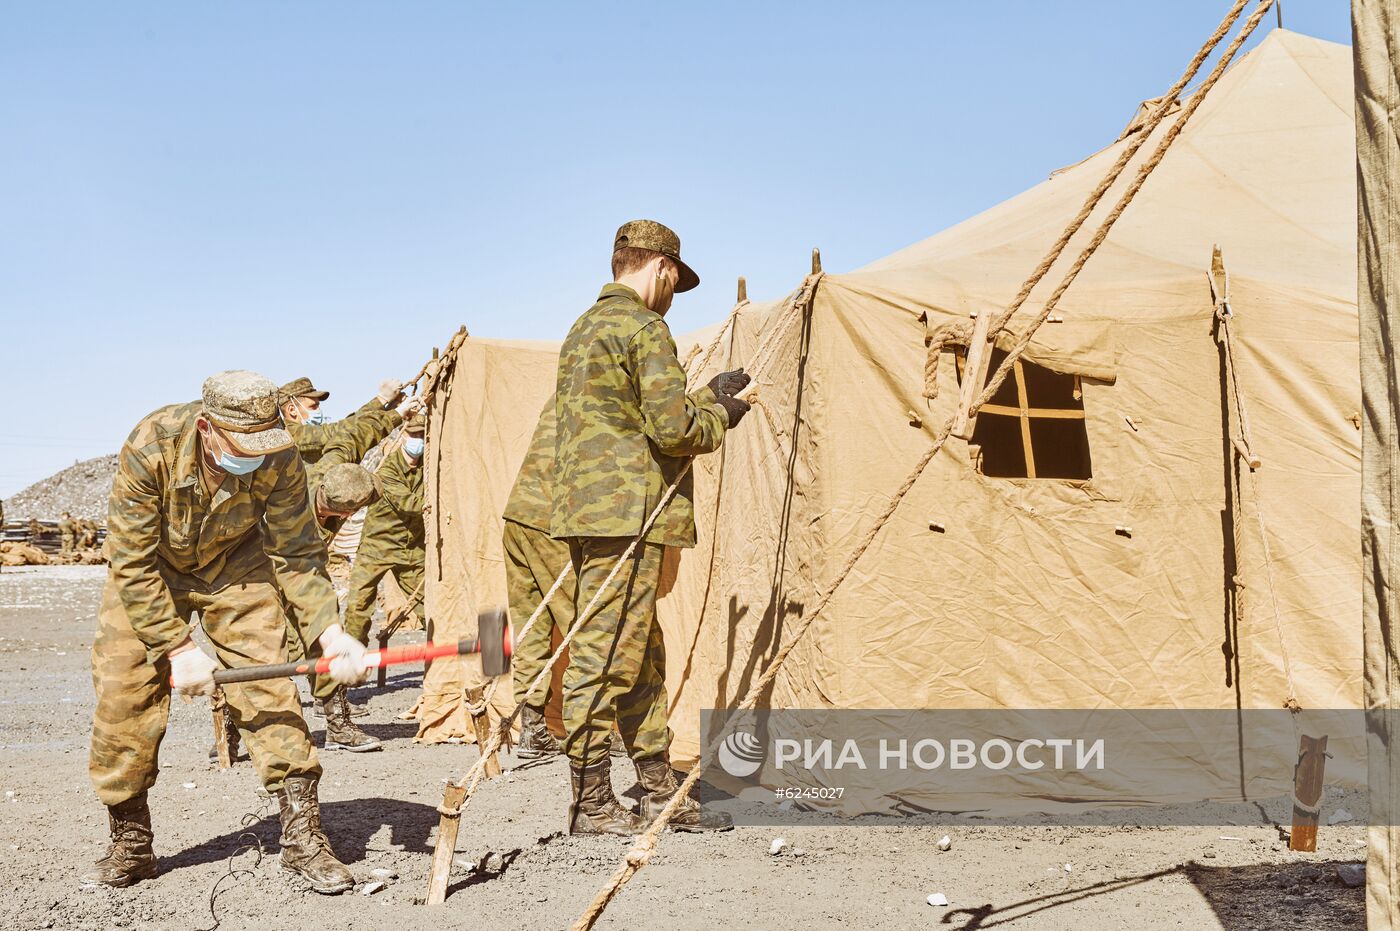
130 858
595 810
535 739
341 732
659 782
305 849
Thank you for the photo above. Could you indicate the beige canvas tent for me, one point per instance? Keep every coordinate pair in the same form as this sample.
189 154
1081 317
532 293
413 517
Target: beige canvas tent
1106 580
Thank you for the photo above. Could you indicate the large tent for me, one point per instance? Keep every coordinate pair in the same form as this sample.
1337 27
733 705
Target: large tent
1137 569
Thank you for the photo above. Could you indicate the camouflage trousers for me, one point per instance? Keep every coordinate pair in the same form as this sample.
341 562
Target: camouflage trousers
533 561
338 568
617 660
246 625
66 543
365 576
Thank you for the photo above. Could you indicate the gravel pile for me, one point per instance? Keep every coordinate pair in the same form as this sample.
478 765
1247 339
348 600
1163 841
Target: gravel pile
80 489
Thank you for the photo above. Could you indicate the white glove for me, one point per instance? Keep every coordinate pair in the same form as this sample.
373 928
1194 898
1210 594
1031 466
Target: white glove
347 656
410 406
389 390
192 672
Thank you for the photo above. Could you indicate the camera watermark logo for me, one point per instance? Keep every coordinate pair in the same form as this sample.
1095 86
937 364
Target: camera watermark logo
741 754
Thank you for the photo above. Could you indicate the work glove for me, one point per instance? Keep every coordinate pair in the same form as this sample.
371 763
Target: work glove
390 390
735 408
409 406
192 672
730 383
347 656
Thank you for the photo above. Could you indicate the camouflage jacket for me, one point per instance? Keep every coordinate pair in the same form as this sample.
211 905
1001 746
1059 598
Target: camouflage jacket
393 531
165 532
67 527
349 445
313 441
626 425
531 501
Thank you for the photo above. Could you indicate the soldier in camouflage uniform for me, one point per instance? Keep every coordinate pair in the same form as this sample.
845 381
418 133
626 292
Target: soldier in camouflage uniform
391 539
67 533
533 561
625 429
209 515
300 402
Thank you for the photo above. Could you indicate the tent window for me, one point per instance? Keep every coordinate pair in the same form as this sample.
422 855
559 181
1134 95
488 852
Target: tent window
1033 427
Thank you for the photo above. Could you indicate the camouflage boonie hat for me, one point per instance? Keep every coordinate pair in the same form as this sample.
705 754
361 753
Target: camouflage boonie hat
348 487
244 406
654 237
301 388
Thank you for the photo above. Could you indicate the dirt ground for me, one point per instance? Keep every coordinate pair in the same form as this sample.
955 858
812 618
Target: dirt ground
516 870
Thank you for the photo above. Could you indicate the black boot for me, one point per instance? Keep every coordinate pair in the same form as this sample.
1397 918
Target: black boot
535 739
341 732
595 810
659 782
305 849
130 857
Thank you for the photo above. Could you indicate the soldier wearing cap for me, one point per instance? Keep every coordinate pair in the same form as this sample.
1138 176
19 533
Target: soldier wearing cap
625 428
67 533
209 514
391 540
313 433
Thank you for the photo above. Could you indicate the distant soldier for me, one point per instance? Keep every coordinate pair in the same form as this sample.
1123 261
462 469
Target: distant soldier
209 515
390 541
625 429
67 533
339 486
87 534
533 561
312 432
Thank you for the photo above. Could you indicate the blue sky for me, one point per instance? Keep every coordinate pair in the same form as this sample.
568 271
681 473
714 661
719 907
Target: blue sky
330 189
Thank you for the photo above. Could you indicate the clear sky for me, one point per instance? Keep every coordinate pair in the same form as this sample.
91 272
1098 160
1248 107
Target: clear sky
331 188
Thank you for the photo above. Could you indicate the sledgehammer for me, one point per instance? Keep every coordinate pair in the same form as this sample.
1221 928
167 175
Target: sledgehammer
493 642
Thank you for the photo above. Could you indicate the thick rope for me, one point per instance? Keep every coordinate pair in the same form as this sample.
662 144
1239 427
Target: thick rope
645 846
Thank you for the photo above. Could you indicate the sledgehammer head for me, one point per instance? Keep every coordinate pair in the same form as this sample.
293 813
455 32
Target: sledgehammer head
494 642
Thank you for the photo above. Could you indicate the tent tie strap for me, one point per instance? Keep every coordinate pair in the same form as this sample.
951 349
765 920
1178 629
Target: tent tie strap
626 870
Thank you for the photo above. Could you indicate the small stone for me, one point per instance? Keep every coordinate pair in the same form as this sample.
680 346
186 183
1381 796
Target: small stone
938 898
1069 867
1309 874
1352 875
1209 855
467 865
189 785
798 852
777 846
1340 816
371 888
384 873
945 843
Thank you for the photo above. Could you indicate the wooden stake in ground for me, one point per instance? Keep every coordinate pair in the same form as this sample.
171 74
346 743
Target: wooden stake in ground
221 747
481 726
1307 792
449 820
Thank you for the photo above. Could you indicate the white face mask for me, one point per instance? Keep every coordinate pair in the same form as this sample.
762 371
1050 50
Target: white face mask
312 418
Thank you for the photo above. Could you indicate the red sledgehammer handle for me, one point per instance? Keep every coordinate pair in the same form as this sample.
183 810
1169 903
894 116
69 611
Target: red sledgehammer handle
391 656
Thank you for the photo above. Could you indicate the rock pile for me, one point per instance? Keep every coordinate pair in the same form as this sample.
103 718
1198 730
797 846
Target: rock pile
81 489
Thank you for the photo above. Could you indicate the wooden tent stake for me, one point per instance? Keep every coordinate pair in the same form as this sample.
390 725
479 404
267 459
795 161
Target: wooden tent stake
481 726
446 847
743 290
221 747
1307 792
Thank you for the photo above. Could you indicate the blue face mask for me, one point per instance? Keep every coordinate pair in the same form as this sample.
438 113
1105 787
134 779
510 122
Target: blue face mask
414 446
239 465
316 418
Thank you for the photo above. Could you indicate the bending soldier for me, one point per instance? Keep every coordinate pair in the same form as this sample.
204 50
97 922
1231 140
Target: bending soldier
209 515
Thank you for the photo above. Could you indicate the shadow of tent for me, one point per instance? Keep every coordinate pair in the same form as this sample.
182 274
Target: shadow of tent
349 824
1242 897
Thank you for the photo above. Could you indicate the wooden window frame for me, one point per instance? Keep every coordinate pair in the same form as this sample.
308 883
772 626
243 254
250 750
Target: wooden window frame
1023 412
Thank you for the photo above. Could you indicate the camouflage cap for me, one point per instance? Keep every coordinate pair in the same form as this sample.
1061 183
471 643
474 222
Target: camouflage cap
654 237
301 388
416 425
347 487
243 405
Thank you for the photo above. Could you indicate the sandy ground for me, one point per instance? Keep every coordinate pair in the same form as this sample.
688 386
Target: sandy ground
516 870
